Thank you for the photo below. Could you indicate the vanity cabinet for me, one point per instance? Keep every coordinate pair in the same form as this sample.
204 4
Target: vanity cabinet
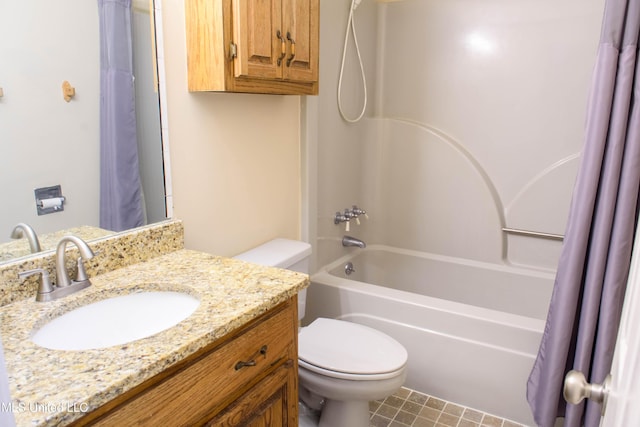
256 46
248 378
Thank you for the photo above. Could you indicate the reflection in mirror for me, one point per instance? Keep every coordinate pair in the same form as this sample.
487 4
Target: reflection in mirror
49 241
48 141
24 230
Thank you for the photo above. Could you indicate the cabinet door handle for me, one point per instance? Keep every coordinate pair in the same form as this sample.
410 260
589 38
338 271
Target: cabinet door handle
242 363
293 49
283 47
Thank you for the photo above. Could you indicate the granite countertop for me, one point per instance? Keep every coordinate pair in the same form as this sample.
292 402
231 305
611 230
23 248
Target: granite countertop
53 387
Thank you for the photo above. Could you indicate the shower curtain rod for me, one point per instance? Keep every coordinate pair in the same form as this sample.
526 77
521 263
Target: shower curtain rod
529 233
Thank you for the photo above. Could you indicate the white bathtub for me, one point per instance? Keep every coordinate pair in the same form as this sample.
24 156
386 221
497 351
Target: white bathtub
472 329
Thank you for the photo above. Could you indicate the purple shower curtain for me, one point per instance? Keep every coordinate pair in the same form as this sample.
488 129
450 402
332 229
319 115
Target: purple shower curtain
586 303
120 187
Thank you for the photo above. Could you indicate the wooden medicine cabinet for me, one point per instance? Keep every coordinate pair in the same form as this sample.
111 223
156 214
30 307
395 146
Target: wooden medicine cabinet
253 46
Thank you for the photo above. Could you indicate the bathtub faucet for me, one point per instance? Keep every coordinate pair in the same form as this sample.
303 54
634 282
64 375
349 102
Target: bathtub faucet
352 241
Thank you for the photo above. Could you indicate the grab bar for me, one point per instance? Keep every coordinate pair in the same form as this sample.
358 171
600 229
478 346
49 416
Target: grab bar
529 233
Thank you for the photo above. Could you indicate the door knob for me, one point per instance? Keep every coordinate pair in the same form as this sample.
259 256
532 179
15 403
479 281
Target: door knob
577 388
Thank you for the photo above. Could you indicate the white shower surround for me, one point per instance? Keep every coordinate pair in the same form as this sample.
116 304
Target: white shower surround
507 85
476 123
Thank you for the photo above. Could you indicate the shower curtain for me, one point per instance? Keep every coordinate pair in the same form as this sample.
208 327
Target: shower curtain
586 303
120 187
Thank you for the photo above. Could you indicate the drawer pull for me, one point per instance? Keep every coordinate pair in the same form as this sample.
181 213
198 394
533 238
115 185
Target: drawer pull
241 364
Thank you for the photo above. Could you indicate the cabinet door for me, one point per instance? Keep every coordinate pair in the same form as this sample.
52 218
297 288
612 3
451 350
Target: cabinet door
256 28
301 24
270 403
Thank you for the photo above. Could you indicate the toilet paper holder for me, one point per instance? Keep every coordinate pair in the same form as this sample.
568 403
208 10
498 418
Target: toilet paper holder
49 200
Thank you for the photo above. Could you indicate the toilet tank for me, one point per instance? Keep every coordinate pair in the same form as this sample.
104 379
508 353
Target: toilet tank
283 253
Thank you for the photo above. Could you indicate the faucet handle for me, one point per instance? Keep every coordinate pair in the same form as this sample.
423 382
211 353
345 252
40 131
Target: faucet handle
45 282
82 272
356 210
340 217
348 213
353 213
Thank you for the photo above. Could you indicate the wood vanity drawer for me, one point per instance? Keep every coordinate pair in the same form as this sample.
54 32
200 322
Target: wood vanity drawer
203 386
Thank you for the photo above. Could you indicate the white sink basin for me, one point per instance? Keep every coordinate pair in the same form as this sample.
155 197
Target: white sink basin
116 320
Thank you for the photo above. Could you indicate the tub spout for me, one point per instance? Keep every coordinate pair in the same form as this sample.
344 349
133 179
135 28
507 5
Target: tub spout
352 241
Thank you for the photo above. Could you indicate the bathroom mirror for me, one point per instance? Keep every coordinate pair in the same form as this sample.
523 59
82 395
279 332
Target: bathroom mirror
48 140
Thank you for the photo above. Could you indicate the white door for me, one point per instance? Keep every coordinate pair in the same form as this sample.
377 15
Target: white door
623 403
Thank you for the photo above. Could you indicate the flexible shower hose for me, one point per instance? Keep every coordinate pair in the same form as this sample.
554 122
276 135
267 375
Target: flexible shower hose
351 25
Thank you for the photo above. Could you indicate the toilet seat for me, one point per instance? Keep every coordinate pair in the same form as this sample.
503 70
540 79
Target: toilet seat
346 350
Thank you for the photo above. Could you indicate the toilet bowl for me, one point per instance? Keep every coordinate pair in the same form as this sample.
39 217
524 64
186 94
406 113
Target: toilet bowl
341 365
348 365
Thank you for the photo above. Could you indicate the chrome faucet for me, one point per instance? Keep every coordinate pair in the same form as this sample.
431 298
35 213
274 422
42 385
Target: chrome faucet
342 217
22 229
61 270
64 286
348 215
352 241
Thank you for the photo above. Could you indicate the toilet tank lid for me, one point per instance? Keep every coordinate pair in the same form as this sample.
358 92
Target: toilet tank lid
279 252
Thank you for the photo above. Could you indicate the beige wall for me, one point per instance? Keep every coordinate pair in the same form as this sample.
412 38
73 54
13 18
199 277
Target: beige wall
235 158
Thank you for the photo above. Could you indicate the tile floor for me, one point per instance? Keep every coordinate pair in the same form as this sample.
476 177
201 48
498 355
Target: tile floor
410 408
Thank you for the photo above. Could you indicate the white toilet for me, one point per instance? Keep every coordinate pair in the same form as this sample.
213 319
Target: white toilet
342 365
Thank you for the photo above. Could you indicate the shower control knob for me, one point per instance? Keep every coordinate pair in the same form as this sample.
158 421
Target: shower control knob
349 214
340 217
357 211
